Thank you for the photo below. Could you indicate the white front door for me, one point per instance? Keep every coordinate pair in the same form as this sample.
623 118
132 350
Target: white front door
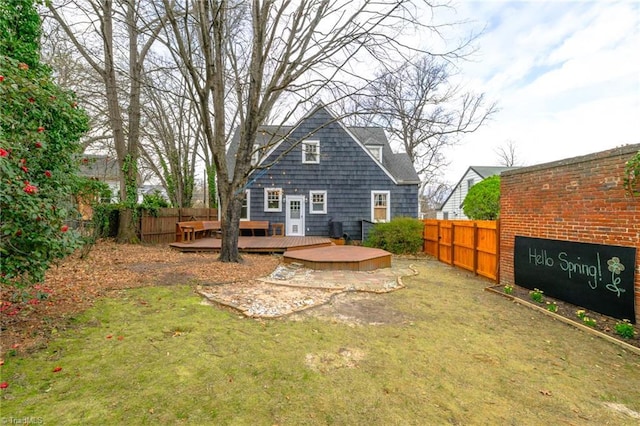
295 215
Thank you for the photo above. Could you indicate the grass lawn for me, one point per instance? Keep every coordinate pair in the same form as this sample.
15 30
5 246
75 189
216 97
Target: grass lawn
447 353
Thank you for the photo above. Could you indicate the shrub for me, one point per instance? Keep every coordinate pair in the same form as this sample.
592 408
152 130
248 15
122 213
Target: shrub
402 235
625 329
153 202
40 126
483 200
536 295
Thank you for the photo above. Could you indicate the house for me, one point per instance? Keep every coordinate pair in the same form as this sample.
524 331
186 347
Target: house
322 178
102 168
452 207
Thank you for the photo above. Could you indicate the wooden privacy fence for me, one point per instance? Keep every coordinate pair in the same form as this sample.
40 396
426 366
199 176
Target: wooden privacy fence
468 244
162 228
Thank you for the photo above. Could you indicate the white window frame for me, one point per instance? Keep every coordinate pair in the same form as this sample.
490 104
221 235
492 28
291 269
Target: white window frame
373 202
376 150
255 156
307 143
267 191
247 194
324 203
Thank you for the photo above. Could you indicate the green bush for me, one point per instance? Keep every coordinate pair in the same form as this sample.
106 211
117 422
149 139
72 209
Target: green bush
40 128
402 235
151 203
483 200
105 220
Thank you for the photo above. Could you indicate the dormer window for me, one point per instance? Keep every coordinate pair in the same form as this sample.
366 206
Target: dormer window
311 152
376 150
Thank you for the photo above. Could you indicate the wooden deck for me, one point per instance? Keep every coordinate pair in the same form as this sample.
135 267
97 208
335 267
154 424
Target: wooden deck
255 244
340 258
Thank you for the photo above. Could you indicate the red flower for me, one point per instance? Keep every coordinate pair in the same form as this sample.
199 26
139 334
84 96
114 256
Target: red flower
4 385
32 99
25 169
23 66
55 370
47 173
38 144
33 302
4 152
23 161
30 189
1 78
64 228
40 129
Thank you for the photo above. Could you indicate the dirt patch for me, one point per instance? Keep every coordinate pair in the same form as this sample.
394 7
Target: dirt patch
327 361
356 308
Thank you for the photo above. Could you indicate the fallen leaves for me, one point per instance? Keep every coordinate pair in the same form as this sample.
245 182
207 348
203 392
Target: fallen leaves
76 283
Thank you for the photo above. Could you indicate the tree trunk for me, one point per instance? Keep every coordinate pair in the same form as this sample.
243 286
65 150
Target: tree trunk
230 231
126 227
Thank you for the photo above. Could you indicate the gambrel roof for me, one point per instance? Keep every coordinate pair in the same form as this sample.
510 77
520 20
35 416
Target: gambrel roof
397 165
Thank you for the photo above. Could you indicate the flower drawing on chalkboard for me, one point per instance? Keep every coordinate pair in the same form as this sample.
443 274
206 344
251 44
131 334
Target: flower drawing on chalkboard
615 266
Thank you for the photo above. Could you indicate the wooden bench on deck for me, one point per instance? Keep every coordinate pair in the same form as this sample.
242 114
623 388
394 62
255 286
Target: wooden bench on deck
194 229
254 228
191 230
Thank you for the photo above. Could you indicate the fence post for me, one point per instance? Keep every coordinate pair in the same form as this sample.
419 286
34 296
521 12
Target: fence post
475 247
453 244
498 251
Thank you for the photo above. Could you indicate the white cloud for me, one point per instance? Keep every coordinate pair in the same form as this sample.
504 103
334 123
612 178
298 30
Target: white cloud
566 75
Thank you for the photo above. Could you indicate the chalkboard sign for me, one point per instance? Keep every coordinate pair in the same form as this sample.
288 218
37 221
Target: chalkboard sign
592 276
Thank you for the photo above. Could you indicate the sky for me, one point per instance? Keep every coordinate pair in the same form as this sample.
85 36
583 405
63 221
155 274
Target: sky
565 75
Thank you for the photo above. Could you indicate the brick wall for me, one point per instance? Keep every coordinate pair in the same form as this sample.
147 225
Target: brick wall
580 199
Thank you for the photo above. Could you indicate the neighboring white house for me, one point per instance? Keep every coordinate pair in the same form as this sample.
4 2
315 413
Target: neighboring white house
452 207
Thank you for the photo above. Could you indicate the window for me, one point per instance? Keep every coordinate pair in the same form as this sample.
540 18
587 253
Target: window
244 213
470 183
311 151
317 202
380 206
376 151
272 200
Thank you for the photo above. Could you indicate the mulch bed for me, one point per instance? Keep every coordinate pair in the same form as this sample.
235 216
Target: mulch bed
603 323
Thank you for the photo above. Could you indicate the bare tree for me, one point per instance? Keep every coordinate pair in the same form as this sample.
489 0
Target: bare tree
75 74
171 134
508 154
243 57
432 198
114 37
421 108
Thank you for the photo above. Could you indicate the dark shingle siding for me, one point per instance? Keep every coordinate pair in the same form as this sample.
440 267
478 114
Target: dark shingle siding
345 171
